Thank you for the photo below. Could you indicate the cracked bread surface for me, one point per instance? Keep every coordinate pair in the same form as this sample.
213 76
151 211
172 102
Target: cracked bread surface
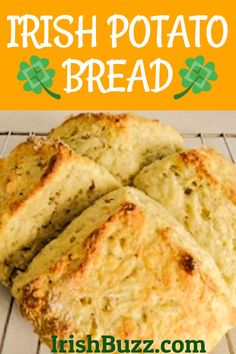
42 188
123 143
127 268
198 187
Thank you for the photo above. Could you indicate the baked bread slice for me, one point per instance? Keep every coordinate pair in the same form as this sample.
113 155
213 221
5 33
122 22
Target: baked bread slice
122 143
42 188
125 267
198 187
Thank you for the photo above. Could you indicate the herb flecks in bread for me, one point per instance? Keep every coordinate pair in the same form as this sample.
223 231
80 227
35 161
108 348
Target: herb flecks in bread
123 143
127 268
42 188
198 186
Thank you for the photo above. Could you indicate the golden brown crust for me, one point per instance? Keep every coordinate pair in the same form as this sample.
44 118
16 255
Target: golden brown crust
198 186
35 300
136 262
202 158
117 119
199 161
123 143
47 159
54 164
40 194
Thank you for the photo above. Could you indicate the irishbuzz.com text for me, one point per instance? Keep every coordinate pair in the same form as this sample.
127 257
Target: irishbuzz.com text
109 344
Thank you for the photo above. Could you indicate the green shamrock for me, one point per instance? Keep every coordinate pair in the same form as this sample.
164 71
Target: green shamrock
197 76
37 76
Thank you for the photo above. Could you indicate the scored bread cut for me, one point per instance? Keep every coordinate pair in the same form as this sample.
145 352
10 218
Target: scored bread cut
198 187
42 188
125 267
123 143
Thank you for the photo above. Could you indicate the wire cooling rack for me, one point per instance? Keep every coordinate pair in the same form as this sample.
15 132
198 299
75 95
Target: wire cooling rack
16 334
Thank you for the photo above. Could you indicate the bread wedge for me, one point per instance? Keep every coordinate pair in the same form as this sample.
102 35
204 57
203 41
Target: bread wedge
198 187
122 143
125 267
42 188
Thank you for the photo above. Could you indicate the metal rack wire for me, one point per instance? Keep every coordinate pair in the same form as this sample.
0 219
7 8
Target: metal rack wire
16 335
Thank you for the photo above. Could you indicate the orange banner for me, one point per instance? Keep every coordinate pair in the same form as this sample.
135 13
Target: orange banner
118 55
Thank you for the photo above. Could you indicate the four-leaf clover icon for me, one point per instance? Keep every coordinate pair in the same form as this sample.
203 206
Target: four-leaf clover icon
197 76
37 76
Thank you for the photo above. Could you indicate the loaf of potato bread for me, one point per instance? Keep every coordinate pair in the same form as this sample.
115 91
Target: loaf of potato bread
198 187
42 188
127 268
122 143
